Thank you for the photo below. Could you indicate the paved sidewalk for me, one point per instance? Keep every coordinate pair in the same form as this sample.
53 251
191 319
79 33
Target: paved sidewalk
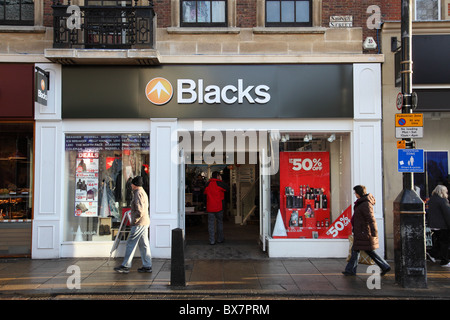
267 278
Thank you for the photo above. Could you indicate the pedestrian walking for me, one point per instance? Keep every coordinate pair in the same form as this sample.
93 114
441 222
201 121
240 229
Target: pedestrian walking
140 222
215 194
365 232
438 217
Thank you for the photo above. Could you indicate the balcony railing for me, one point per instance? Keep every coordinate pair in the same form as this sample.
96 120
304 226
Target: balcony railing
103 27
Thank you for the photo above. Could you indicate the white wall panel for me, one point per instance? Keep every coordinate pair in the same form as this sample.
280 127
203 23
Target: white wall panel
367 91
163 186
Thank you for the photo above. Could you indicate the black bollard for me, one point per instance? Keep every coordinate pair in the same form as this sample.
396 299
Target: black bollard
177 268
409 240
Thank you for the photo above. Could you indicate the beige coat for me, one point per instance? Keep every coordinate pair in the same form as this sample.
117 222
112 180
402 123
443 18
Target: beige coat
139 208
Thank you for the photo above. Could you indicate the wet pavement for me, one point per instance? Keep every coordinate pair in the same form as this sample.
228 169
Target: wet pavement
266 278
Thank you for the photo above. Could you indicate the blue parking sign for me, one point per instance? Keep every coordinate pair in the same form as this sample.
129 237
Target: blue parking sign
410 160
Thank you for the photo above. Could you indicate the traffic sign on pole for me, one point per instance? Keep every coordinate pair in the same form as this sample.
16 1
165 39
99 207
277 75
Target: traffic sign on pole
410 160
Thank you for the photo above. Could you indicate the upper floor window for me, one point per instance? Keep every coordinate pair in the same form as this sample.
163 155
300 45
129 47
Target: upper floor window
201 13
428 10
288 13
17 12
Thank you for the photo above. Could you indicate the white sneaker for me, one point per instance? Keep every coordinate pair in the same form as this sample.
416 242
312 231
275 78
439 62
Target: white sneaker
446 265
431 258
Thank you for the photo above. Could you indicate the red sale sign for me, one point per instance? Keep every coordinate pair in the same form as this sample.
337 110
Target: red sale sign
305 193
341 227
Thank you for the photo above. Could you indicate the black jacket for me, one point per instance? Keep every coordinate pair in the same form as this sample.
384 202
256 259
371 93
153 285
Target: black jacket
438 215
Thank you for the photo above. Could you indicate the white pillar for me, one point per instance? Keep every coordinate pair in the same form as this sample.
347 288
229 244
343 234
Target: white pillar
367 147
47 203
163 186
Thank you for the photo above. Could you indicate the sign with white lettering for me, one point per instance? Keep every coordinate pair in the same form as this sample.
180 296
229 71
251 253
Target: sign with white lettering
410 160
41 83
208 91
341 21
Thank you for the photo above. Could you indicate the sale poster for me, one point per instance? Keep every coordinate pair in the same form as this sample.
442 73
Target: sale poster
341 227
305 193
86 190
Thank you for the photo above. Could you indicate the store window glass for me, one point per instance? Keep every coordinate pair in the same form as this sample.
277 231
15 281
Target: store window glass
311 192
16 181
98 174
16 175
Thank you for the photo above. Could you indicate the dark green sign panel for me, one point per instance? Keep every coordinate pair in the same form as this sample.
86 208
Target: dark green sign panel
209 91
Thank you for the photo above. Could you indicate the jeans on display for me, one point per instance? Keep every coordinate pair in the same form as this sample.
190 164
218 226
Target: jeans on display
212 218
353 262
138 237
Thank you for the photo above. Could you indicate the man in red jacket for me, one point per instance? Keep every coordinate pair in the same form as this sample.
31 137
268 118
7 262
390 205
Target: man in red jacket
215 194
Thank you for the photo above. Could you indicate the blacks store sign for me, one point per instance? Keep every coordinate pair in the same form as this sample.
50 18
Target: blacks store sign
41 84
209 91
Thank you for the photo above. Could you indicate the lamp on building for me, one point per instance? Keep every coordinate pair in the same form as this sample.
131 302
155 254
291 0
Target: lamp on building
331 138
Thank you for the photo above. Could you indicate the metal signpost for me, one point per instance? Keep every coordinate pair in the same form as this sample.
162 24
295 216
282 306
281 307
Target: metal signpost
409 209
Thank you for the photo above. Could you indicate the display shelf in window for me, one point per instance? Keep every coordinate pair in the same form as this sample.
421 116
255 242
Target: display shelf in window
14 205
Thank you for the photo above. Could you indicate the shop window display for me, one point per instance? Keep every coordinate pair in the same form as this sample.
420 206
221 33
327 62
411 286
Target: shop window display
16 181
16 163
311 173
99 170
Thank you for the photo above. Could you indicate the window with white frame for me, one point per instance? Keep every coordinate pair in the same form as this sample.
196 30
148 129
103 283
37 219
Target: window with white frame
288 13
201 13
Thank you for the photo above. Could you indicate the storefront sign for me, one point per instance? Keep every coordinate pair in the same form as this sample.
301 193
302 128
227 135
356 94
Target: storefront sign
42 79
209 91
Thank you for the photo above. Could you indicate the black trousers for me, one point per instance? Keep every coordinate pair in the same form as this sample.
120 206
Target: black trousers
443 239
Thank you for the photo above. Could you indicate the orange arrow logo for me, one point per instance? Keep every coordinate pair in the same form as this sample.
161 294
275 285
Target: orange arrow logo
159 91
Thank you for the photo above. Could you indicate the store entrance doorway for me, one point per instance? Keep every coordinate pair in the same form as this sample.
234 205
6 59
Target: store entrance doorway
241 212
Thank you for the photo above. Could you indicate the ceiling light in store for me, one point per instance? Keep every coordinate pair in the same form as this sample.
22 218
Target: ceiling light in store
307 138
331 138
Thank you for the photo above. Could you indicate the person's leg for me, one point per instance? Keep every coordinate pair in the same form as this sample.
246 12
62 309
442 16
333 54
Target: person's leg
219 219
211 227
133 238
144 249
444 236
352 264
384 266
